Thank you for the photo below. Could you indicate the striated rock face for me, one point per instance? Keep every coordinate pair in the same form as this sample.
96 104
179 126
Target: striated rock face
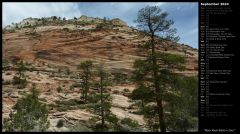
69 44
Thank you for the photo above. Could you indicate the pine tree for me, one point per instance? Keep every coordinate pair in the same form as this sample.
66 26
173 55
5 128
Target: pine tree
86 75
173 104
157 72
151 20
143 76
102 100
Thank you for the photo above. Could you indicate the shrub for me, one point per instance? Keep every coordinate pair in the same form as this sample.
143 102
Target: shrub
126 90
73 77
80 127
22 83
29 114
60 123
7 82
68 72
59 70
59 89
83 23
69 105
130 122
11 30
71 87
100 26
65 29
71 102
42 54
116 92
76 85
120 78
8 73
15 80
43 99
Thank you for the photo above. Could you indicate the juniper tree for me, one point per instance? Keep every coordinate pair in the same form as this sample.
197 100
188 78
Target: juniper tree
29 114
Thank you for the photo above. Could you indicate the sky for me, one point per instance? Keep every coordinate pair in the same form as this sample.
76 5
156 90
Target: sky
184 14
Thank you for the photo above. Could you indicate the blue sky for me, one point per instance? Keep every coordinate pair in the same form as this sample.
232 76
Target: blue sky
185 15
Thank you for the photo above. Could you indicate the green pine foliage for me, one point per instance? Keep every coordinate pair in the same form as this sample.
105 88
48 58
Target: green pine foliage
86 77
29 114
164 94
20 78
102 103
102 100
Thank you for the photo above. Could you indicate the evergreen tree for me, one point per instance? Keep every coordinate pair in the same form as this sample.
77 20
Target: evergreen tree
152 20
86 75
157 73
54 18
19 78
142 93
21 68
102 102
29 114
166 77
184 106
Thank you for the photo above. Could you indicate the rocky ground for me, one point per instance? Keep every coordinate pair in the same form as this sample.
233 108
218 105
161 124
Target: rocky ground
49 95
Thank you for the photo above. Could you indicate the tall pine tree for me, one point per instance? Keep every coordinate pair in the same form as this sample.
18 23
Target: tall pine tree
85 76
152 21
102 101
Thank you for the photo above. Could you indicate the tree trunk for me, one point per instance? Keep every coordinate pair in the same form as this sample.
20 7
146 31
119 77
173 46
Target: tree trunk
157 88
102 110
161 115
142 103
20 75
87 87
